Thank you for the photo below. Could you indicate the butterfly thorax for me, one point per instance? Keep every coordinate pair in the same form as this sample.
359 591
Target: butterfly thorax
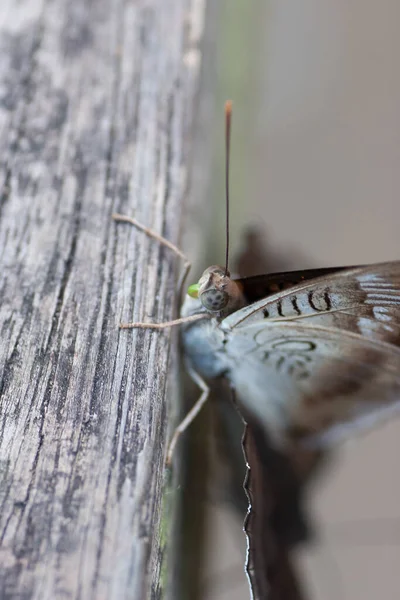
217 296
203 341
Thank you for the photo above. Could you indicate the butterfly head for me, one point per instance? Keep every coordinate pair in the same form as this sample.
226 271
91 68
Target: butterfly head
217 292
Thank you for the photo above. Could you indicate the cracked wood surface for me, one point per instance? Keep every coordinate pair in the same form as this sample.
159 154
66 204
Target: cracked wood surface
96 105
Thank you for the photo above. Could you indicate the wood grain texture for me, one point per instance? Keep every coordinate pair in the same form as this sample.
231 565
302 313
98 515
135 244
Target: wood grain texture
96 102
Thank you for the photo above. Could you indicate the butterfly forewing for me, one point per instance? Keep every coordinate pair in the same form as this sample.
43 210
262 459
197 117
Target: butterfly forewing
258 287
321 355
365 300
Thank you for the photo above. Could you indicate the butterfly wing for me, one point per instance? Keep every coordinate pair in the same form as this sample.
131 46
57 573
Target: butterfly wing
274 521
321 356
258 287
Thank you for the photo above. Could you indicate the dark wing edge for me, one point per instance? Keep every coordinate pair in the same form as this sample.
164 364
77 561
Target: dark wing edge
258 287
269 567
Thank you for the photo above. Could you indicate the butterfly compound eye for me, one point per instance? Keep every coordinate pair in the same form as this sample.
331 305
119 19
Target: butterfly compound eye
216 290
214 300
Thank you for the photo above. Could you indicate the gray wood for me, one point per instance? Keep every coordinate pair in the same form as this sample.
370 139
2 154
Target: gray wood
96 103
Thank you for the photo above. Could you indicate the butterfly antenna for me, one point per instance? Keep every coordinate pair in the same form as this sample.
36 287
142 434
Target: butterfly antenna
228 115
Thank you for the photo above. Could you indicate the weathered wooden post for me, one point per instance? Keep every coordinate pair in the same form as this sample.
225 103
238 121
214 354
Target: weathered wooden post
96 104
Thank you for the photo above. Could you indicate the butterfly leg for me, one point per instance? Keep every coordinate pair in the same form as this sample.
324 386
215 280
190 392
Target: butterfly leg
186 263
192 414
166 324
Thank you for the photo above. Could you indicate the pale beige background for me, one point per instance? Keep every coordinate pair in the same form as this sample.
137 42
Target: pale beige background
324 151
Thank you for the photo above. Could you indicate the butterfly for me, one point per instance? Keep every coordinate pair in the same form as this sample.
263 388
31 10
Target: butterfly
313 359
311 355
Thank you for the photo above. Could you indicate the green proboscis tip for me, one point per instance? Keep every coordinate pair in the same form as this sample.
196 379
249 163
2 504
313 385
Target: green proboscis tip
193 290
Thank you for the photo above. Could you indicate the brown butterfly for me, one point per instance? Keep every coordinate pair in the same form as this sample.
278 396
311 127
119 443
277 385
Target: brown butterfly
311 360
311 355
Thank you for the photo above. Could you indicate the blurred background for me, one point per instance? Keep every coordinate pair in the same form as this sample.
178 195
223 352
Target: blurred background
315 162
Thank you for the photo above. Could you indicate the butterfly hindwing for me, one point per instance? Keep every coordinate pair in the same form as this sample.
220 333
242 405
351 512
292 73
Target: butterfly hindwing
321 355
